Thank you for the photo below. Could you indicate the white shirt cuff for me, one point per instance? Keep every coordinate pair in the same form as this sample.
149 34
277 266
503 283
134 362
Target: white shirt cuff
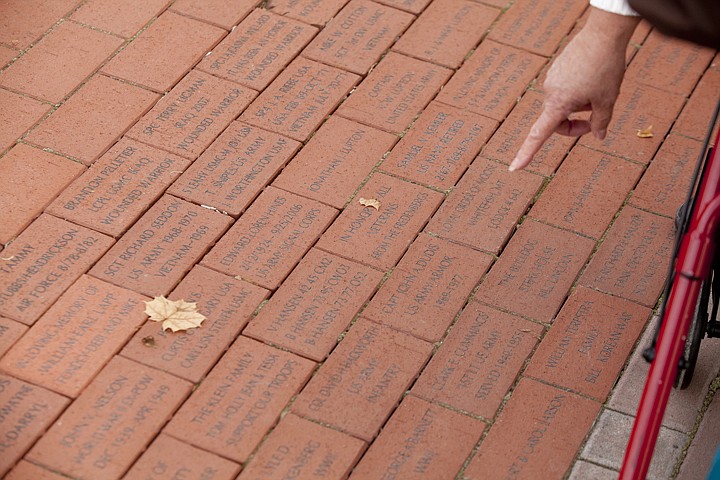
621 7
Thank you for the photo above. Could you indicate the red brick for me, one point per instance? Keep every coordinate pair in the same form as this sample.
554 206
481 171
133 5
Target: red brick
7 54
336 160
484 208
478 361
26 470
93 119
491 80
258 49
60 62
447 31
694 120
314 12
379 238
536 270
537 434
300 98
587 191
633 259
506 141
32 178
428 288
270 238
394 93
241 399
228 305
413 6
122 17
537 26
18 114
364 378
77 336
118 187
42 262
356 38
669 64
421 440
236 167
297 447
161 247
315 305
102 433
583 354
27 411
224 13
10 332
193 114
19 28
664 186
172 44
497 3
439 146
638 107
170 458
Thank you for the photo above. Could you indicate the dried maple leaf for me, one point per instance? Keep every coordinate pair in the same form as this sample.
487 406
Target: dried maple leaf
370 202
645 133
176 315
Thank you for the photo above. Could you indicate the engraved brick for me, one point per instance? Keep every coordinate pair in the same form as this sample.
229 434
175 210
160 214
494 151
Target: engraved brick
491 80
58 63
379 238
31 179
297 447
664 186
633 259
10 332
537 434
583 354
19 29
394 93
315 304
537 26
694 120
189 118
169 46
224 13
446 31
439 146
240 400
300 98
235 168
161 247
18 114
637 108
483 209
27 410
77 336
586 192
506 141
536 270
170 458
358 35
421 440
93 119
122 17
478 361
428 288
102 433
313 12
42 262
335 161
363 379
25 470
118 187
413 6
228 305
258 49
270 238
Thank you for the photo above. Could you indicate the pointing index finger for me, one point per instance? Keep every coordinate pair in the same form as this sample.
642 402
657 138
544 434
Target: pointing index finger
549 120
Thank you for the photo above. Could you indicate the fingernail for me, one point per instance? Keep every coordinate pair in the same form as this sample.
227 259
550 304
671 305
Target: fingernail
513 165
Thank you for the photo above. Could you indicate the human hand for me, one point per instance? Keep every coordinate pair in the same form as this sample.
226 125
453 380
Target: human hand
586 76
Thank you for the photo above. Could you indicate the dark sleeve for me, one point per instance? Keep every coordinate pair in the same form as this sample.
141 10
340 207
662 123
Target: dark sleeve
694 20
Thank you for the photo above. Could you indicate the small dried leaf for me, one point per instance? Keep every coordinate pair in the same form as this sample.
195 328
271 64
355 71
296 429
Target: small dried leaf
370 202
160 308
175 315
645 133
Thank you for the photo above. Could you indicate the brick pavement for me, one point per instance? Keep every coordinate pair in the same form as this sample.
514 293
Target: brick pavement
478 324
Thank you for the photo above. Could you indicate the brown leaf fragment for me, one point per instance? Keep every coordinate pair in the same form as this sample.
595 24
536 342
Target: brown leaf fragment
176 315
370 202
645 133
